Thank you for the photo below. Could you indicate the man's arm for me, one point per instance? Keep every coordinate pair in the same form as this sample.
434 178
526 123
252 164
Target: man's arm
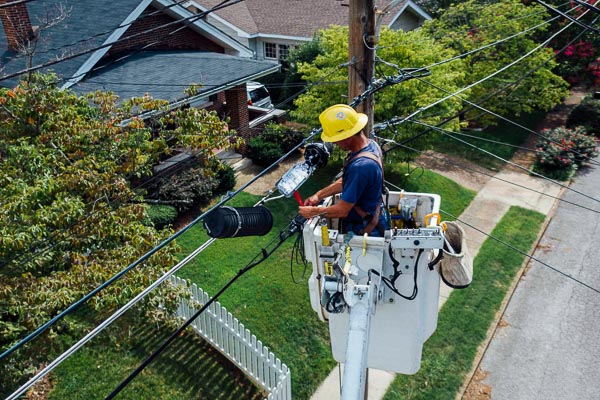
338 210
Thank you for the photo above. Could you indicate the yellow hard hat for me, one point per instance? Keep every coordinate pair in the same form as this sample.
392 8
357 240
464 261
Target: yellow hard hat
341 121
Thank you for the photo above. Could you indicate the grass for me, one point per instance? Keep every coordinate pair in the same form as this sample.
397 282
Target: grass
465 318
503 132
190 368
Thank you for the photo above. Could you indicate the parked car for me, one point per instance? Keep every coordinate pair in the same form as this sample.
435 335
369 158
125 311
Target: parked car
258 95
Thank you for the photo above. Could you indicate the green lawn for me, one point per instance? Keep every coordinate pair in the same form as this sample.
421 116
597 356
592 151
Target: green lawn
503 132
465 318
189 368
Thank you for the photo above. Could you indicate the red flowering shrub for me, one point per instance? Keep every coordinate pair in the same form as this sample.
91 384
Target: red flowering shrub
565 149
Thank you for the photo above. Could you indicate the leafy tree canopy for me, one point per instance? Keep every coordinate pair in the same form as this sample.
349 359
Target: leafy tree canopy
530 84
67 220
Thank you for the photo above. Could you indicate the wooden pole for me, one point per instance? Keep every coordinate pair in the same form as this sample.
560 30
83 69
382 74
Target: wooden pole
361 53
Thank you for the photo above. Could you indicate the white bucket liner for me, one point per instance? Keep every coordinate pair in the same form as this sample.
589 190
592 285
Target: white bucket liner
456 267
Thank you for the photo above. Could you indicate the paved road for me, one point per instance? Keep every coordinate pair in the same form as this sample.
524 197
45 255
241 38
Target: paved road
550 347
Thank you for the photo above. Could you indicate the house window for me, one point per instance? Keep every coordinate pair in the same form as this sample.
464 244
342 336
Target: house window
270 50
277 51
284 50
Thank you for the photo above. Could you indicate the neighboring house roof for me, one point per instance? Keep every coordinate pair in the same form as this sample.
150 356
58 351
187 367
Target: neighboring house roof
166 74
103 22
293 18
83 22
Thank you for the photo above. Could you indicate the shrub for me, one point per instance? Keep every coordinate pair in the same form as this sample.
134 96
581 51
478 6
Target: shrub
559 157
161 215
225 176
586 114
186 189
272 143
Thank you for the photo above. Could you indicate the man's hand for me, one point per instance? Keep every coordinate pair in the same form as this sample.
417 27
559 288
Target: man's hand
308 211
311 201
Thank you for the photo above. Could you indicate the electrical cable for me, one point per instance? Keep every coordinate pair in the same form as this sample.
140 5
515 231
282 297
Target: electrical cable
486 98
518 60
187 20
588 5
466 168
514 123
510 246
586 26
93 333
297 255
514 164
294 228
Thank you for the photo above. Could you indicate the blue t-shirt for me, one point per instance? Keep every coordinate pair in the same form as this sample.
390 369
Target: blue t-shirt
362 183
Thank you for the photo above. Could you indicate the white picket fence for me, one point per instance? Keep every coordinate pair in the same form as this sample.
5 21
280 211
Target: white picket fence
226 334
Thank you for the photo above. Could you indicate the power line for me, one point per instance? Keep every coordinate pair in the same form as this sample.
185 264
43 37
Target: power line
51 366
514 123
446 133
466 168
588 5
586 26
491 95
187 20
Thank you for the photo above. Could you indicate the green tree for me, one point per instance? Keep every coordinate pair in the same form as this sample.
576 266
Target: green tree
67 219
470 25
405 49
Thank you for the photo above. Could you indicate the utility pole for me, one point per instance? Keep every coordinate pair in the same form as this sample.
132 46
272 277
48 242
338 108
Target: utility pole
361 53
361 57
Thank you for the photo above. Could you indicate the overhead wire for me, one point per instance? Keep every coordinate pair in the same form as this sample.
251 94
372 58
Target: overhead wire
514 164
492 176
512 247
188 20
562 14
104 324
496 115
489 96
504 68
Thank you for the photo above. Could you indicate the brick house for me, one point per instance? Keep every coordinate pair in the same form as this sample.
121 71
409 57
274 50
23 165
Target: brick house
131 47
270 28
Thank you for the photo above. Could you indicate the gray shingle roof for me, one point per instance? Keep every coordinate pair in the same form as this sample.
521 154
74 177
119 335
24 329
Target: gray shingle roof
165 74
86 19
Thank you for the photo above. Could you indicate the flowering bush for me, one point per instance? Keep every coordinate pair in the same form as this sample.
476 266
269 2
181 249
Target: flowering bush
580 62
565 149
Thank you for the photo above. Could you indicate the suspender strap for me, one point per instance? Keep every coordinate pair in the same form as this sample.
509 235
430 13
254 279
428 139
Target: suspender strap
373 220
